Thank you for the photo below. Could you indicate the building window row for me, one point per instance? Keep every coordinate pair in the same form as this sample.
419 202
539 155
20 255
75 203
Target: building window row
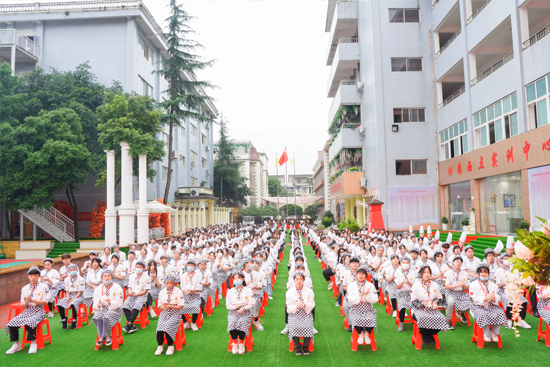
404 15
144 88
497 122
454 140
193 130
406 64
407 167
538 102
146 51
409 115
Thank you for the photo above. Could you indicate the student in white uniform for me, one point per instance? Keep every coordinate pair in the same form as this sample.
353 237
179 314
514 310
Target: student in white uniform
108 300
50 277
239 303
118 269
93 280
171 304
361 296
74 289
34 297
456 292
300 301
405 278
136 296
191 285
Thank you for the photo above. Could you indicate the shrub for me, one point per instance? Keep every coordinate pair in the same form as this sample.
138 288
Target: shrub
524 224
465 221
444 220
349 223
327 221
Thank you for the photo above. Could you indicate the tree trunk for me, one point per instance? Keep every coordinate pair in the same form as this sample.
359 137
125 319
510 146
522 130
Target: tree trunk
72 202
9 219
221 188
169 178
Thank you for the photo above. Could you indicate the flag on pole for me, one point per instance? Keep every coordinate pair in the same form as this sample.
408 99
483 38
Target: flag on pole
292 160
283 159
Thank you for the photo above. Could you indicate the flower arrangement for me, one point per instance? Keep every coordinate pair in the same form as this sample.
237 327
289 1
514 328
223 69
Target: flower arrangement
98 219
165 221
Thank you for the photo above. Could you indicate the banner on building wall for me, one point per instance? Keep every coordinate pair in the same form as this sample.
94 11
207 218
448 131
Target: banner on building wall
412 205
539 193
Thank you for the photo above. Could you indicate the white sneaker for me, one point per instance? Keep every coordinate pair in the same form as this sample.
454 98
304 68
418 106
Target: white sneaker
159 350
33 348
186 325
50 314
494 337
329 286
259 326
360 339
170 350
285 330
509 324
315 332
394 314
524 324
241 348
367 338
194 327
153 314
269 297
486 338
235 348
16 347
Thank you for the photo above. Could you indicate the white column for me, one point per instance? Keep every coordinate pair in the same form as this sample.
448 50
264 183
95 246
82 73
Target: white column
142 213
127 210
13 58
33 231
176 222
184 222
203 213
110 212
21 228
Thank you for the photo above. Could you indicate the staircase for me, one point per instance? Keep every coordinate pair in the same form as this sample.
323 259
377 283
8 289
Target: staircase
61 248
52 221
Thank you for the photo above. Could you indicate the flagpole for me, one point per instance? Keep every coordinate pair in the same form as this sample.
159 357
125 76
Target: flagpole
286 183
277 175
294 163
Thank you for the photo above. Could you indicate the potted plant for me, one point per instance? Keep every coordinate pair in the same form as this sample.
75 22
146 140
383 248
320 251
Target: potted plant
524 225
444 222
465 224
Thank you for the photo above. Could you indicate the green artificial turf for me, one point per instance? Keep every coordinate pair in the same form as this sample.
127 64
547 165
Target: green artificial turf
208 347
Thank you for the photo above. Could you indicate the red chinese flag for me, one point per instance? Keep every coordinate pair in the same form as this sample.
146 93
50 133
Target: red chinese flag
283 159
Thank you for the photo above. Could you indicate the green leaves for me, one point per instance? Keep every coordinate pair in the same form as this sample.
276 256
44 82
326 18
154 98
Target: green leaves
539 266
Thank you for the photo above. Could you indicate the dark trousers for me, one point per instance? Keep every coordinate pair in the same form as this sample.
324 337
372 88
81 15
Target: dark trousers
360 329
402 313
297 344
522 313
14 333
62 312
327 273
237 334
194 317
50 306
131 315
393 304
160 338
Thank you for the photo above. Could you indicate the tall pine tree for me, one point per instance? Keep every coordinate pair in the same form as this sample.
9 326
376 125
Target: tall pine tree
185 94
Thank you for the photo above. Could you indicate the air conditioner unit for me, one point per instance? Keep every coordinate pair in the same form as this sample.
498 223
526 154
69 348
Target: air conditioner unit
360 86
175 154
207 148
208 172
194 193
361 129
192 164
363 182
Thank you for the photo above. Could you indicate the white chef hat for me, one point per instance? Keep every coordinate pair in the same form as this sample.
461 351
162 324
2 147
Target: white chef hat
449 238
510 242
429 231
436 237
421 229
499 247
462 237
410 229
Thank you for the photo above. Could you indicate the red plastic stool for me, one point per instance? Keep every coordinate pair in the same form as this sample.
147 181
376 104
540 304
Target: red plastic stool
224 289
381 296
346 323
116 336
41 338
180 337
266 300
217 300
189 318
15 309
355 340
261 311
408 319
342 310
273 279
143 319
544 334
208 308
335 290
477 336
81 318
248 342
455 319
388 305
291 345
369 278
417 338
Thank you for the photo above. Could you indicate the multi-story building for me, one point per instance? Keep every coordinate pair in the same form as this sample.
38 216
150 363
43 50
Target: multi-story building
491 70
320 177
253 167
122 42
302 184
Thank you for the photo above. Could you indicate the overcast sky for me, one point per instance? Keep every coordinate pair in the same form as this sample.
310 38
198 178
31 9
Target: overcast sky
270 67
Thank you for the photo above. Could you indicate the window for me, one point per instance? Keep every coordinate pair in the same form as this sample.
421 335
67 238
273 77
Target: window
193 130
406 64
454 140
146 51
409 115
182 160
404 16
203 139
538 100
497 122
182 131
164 174
411 167
203 183
193 157
203 163
145 88
193 181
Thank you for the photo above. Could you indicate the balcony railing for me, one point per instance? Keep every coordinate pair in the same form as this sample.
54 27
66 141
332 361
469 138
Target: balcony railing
493 68
537 37
453 37
477 11
455 95
14 37
344 40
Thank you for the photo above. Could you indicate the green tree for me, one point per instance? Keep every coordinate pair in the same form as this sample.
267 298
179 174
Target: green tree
312 210
272 188
185 94
41 156
289 210
133 119
229 186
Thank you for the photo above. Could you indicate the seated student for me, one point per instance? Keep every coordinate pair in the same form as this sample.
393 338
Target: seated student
501 276
63 272
50 277
439 267
239 302
425 295
74 289
206 279
253 282
170 303
107 303
93 280
33 298
136 296
487 313
361 296
156 285
191 285
118 268
404 280
389 276
456 292
543 305
300 301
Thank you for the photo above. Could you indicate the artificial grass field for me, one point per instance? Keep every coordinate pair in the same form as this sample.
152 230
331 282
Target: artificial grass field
208 346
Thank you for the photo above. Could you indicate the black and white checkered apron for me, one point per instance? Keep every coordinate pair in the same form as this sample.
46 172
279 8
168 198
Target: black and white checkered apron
544 310
154 291
52 291
404 299
239 321
75 302
192 303
428 318
489 314
300 324
31 316
114 316
169 320
120 282
135 303
362 315
461 298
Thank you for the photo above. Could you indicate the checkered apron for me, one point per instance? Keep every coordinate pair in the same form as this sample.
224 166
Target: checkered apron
31 316
300 324
362 314
239 321
114 316
169 320
489 313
